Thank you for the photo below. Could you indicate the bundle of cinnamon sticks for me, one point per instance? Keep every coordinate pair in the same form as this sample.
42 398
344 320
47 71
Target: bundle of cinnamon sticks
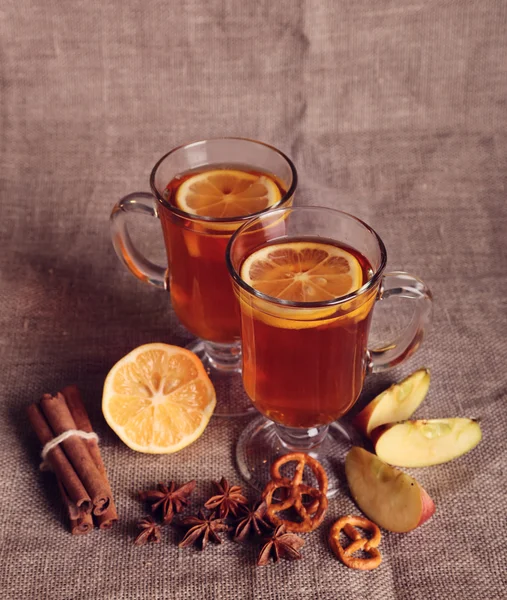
76 462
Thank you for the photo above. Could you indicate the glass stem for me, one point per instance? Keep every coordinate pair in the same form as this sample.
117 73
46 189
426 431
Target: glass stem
298 439
224 357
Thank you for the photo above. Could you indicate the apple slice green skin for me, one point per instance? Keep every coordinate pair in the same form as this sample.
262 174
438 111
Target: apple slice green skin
425 442
397 403
391 499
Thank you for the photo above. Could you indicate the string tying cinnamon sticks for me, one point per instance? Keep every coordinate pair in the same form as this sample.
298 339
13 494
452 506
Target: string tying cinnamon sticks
44 466
72 452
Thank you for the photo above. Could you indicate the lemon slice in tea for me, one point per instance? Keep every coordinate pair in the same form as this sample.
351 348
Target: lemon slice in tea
303 271
158 398
227 193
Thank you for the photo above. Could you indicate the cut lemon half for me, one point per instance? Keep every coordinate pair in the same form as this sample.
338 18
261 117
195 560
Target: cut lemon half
158 398
303 271
227 193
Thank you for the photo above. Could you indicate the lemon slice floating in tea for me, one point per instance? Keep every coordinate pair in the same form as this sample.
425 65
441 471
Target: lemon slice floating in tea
158 398
303 271
227 193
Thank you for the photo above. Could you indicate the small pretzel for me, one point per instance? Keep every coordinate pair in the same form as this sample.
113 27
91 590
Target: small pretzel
311 514
302 459
358 543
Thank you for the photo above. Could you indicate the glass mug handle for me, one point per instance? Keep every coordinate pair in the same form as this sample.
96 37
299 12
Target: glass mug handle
408 341
143 203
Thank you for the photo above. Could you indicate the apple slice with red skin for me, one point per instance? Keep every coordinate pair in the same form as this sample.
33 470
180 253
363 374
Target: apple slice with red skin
390 498
426 442
397 403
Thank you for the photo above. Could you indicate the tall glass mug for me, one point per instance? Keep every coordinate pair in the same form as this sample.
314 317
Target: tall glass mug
307 280
202 193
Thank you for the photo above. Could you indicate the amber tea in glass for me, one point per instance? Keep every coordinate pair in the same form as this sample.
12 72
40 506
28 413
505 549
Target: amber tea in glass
201 291
309 372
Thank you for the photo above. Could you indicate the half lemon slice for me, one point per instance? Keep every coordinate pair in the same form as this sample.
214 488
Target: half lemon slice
158 398
227 193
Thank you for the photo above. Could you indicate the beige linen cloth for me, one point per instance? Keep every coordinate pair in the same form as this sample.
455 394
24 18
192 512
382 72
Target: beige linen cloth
393 110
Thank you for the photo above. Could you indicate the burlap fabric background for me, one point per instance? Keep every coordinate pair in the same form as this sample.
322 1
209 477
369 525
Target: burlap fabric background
394 111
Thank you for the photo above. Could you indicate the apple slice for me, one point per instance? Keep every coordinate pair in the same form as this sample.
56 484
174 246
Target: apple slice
426 442
397 403
390 498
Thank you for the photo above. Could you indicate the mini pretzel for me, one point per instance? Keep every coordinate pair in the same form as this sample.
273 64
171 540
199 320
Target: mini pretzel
311 514
302 459
358 543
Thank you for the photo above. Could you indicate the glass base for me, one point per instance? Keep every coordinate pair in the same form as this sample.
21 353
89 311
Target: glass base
259 445
223 365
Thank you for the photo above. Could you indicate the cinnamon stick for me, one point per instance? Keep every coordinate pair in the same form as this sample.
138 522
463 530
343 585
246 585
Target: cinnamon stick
60 464
58 415
80 523
78 411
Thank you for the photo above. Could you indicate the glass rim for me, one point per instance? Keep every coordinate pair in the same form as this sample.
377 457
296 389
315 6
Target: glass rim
287 196
370 284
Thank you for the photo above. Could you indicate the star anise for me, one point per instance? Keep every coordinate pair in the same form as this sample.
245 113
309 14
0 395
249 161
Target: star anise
203 528
228 500
169 499
150 532
251 520
280 545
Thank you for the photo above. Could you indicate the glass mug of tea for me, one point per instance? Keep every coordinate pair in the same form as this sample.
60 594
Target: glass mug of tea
307 280
202 192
